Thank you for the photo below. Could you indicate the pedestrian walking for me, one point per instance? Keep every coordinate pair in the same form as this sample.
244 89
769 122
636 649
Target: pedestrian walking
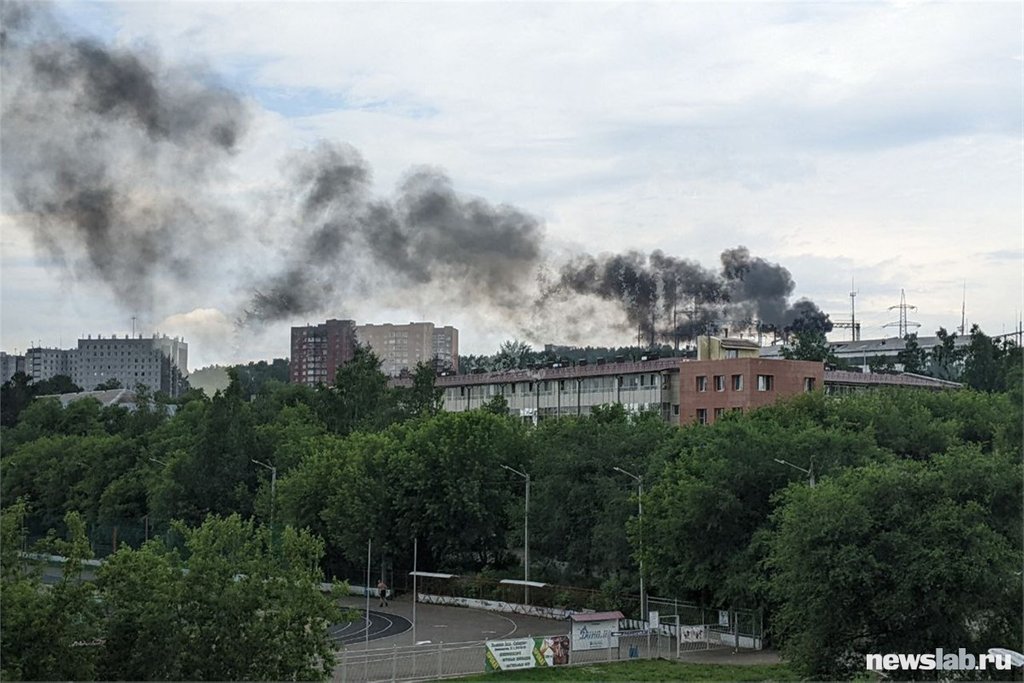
382 590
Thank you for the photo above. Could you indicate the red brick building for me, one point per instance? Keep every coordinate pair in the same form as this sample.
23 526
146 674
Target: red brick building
319 350
708 389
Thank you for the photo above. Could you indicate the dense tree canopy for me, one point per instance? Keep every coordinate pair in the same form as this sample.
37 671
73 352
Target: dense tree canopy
909 485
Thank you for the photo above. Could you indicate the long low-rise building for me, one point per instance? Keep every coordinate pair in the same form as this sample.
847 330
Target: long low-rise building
682 391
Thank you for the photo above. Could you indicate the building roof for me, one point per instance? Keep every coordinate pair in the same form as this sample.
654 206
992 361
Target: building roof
564 372
107 397
597 616
888 345
734 343
903 379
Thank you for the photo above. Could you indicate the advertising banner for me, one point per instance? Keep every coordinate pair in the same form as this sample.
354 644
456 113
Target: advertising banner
526 653
595 635
692 634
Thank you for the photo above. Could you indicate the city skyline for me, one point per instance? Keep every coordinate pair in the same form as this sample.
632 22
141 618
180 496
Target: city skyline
875 142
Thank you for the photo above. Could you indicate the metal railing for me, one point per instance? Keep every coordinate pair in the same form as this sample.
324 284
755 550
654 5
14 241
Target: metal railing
433 661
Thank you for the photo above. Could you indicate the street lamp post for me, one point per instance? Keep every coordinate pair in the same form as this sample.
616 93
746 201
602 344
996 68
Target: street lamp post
526 535
273 486
640 517
808 472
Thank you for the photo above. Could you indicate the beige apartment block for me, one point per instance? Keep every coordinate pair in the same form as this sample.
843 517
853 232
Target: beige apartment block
402 347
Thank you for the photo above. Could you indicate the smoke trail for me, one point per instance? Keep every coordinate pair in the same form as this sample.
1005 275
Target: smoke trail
668 298
426 235
115 161
110 154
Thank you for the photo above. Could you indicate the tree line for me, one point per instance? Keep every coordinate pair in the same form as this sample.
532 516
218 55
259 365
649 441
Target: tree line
916 494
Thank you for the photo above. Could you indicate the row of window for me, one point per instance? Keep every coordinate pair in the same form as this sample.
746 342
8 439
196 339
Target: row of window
702 414
628 382
764 382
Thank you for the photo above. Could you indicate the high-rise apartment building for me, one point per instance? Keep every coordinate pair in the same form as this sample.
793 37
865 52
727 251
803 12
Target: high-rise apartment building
42 363
319 350
9 365
402 347
446 348
159 363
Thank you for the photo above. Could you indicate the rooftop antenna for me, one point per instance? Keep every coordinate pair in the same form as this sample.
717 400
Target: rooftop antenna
963 312
853 310
902 323
133 326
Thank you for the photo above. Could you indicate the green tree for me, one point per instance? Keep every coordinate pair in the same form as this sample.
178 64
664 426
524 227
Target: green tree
988 365
898 557
424 397
882 364
585 504
247 609
912 357
360 398
811 344
715 493
212 472
945 360
512 355
48 633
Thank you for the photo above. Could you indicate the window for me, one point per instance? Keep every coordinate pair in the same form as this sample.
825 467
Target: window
702 416
737 382
732 353
719 382
642 380
765 382
719 412
808 384
702 383
675 408
561 385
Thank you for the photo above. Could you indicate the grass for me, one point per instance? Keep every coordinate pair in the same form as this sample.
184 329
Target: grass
646 670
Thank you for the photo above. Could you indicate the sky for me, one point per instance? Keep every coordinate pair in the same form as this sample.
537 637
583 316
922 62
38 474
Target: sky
868 145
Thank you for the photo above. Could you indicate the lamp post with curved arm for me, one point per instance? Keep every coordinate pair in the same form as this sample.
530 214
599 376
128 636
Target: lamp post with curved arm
640 516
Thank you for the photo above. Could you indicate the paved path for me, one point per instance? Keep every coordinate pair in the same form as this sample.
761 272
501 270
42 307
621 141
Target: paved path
361 630
437 623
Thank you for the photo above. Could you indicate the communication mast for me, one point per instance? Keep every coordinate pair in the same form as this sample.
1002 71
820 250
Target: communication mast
853 325
903 323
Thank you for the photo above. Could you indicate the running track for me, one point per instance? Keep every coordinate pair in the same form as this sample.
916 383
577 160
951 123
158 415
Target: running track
380 625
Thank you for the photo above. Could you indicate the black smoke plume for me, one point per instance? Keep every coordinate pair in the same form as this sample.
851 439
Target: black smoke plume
426 235
666 298
118 161
110 154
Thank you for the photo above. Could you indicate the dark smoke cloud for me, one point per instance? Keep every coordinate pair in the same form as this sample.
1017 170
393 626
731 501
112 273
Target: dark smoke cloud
109 154
666 298
115 160
426 235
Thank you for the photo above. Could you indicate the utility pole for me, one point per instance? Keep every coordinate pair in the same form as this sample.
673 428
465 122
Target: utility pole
526 533
640 517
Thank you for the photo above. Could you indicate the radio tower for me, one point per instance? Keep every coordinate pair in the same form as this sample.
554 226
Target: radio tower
903 323
853 311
